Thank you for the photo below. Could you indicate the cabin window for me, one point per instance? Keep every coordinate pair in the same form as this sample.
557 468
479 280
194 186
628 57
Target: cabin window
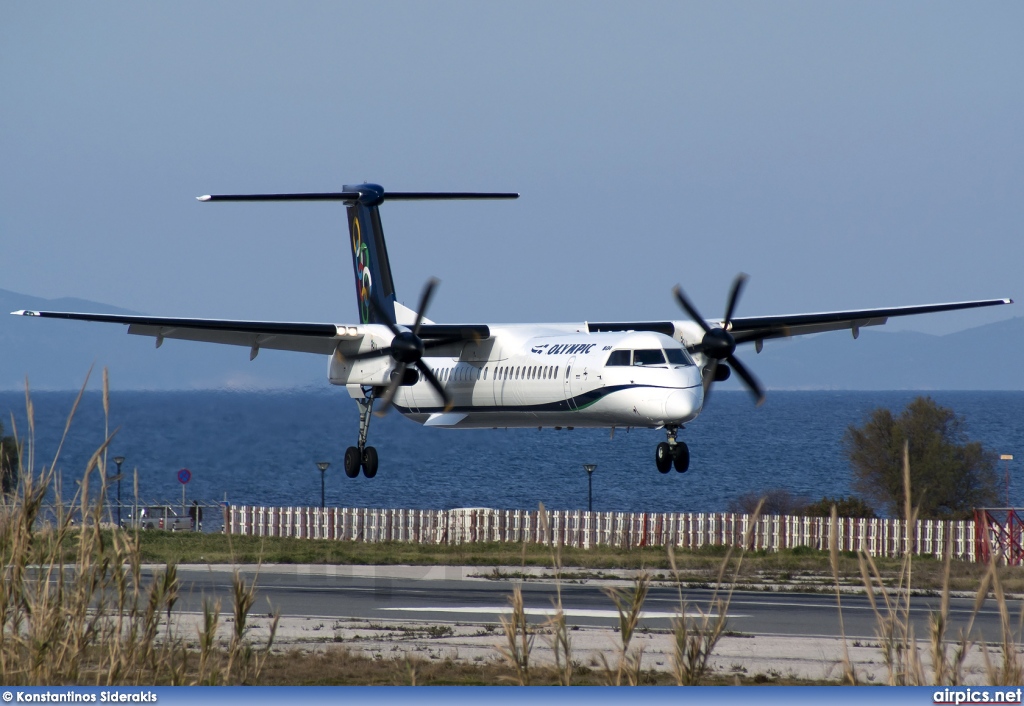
485 373
556 371
648 357
619 358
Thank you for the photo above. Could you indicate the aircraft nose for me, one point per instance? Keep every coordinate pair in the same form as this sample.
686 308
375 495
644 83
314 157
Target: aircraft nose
683 405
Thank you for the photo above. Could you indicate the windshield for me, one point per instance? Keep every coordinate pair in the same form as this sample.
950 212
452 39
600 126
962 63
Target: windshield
652 356
619 358
677 356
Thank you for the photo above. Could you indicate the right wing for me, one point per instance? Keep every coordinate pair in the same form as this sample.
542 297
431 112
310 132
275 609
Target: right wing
301 337
325 339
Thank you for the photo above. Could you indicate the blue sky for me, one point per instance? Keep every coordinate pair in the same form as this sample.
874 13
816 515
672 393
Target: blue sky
843 154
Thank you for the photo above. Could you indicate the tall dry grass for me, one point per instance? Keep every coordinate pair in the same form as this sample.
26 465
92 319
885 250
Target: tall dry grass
696 632
695 638
934 659
77 607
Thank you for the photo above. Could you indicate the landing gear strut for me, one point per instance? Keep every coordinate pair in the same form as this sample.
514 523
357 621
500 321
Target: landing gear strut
362 455
672 453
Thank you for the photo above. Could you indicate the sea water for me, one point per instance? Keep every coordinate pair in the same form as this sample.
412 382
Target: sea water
262 448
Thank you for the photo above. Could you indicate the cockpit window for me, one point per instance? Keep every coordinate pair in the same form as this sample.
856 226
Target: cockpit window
619 358
652 356
677 356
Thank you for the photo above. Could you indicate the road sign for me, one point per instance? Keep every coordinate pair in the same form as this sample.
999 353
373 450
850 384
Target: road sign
184 476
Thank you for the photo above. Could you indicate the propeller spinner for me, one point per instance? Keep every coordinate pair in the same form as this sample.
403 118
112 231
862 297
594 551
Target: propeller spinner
407 349
718 344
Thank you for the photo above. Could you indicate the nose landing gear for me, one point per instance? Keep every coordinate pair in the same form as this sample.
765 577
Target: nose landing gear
672 453
362 456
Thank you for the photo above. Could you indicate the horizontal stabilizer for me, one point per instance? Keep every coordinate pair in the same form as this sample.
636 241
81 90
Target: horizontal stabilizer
369 196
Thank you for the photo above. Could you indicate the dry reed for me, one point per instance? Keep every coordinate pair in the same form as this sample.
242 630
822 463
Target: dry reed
95 617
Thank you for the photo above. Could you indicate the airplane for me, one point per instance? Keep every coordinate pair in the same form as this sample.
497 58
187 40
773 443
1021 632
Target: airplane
609 374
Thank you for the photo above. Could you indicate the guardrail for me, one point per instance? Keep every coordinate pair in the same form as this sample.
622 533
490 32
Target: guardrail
577 528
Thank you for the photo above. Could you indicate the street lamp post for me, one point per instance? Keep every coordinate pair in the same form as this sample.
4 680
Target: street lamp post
589 468
118 460
1007 458
322 465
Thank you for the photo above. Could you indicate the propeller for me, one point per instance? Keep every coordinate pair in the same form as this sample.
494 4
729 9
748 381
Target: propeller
718 344
407 349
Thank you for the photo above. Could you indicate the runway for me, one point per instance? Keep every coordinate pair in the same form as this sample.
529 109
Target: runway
460 595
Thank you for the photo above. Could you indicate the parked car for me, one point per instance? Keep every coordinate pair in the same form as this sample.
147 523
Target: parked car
159 517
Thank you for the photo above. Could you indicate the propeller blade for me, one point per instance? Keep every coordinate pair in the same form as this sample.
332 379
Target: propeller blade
708 377
748 377
690 308
425 371
734 295
428 292
396 380
384 316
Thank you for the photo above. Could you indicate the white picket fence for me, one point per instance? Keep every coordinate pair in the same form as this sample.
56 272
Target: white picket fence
576 528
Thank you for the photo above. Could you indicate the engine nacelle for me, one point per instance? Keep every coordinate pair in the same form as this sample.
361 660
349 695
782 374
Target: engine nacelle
410 378
375 372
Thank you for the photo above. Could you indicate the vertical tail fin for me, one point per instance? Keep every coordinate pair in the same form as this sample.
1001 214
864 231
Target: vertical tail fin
369 253
370 258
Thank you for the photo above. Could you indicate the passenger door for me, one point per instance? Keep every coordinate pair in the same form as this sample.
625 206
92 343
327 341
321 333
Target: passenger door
567 382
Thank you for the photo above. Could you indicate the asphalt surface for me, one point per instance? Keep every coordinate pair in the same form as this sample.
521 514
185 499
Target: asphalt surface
449 595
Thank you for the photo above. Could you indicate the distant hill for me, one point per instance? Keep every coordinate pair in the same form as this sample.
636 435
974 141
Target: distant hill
56 354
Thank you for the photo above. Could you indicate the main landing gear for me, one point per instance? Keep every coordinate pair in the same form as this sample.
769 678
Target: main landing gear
362 456
672 453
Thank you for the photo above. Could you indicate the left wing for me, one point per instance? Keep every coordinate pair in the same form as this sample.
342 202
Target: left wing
758 328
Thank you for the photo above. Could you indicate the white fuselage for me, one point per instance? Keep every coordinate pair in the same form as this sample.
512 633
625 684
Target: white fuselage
551 376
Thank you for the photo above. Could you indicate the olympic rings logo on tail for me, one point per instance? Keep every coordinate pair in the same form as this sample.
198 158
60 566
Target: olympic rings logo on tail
364 280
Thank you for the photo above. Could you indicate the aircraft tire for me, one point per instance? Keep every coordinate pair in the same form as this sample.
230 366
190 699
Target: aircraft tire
369 462
352 461
682 458
663 457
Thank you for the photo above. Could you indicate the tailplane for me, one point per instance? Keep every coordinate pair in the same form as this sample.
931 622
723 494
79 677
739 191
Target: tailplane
375 288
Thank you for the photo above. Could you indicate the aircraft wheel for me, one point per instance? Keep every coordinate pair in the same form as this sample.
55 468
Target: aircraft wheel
352 462
369 462
682 459
663 457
